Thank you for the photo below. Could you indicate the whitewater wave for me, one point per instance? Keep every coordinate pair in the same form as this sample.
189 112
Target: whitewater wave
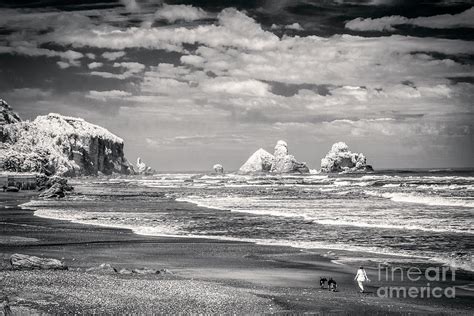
235 204
166 231
423 199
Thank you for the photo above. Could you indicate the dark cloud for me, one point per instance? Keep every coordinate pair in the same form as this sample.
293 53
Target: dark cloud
288 89
60 4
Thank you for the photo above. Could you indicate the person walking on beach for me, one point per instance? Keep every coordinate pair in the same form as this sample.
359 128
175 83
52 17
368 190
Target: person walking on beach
361 277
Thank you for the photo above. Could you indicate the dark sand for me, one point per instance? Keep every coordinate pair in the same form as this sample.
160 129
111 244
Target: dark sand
208 276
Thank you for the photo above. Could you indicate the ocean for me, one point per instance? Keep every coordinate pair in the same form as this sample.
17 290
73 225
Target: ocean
424 214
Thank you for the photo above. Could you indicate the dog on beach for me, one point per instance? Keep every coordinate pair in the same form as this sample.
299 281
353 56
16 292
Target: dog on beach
332 285
322 282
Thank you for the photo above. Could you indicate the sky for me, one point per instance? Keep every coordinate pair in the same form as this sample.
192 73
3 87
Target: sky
188 84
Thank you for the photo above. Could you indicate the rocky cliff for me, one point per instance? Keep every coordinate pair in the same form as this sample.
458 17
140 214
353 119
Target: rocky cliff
56 144
7 116
341 159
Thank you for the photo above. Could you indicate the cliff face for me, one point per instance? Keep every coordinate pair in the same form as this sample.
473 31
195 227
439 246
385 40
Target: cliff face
56 144
7 116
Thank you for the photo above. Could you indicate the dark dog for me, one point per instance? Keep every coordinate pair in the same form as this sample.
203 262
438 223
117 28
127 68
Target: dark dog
332 285
322 282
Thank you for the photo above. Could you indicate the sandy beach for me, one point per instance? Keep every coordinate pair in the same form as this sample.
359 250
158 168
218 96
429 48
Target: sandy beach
204 276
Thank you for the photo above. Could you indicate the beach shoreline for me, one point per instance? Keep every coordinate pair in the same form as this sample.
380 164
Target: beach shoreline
274 278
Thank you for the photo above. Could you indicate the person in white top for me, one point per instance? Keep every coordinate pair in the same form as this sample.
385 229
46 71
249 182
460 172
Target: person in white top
361 277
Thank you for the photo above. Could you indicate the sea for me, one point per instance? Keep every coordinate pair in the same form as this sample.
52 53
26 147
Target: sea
423 214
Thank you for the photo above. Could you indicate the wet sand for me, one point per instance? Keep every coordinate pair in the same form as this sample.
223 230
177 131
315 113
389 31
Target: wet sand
208 276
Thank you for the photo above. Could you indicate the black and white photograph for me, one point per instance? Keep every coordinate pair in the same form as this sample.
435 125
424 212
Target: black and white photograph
232 157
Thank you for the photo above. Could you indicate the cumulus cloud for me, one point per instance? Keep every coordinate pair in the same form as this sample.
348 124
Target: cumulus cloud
234 29
131 5
131 69
173 13
110 94
233 86
295 26
388 23
63 65
364 76
340 60
192 60
28 49
113 55
236 60
94 65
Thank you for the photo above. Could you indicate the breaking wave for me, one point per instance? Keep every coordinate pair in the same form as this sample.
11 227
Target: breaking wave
424 199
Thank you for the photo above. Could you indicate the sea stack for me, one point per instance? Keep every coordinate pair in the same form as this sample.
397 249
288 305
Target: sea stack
218 168
341 159
142 168
260 161
285 163
280 162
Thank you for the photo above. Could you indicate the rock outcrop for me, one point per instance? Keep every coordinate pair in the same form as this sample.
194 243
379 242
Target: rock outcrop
7 116
218 168
57 144
285 163
56 191
142 168
341 159
260 161
280 162
53 187
25 262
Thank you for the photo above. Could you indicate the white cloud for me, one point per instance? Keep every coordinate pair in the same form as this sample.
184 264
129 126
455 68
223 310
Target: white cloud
173 13
94 65
90 55
237 87
113 55
192 60
131 5
110 94
237 61
131 69
63 65
340 60
30 49
234 29
387 23
295 26
380 24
